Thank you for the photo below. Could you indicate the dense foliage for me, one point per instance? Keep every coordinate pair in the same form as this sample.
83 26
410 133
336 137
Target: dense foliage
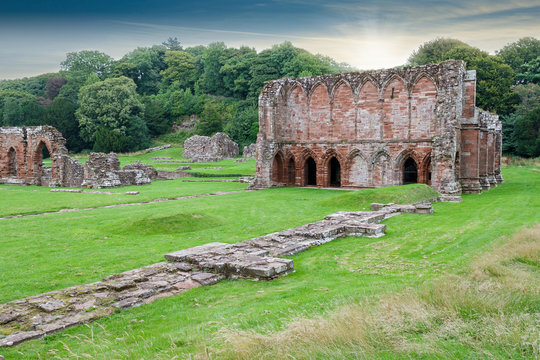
507 84
120 104
218 86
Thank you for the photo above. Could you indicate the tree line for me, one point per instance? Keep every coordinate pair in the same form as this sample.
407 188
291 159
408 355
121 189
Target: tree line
508 83
105 105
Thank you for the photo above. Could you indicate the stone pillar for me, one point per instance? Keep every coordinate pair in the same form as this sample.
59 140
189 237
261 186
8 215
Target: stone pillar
498 153
470 156
483 159
491 158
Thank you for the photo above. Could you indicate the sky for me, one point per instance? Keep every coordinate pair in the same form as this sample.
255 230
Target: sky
36 35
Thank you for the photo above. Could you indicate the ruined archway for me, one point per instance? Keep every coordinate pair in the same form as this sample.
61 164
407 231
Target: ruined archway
42 171
410 171
291 172
277 169
334 172
310 172
12 163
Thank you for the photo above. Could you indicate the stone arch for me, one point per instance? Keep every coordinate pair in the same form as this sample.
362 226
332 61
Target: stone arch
12 168
298 113
381 169
42 176
333 169
343 111
357 169
424 173
308 170
369 111
320 127
423 107
399 164
278 168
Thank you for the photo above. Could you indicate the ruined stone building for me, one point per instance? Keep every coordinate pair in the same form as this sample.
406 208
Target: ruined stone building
21 162
379 128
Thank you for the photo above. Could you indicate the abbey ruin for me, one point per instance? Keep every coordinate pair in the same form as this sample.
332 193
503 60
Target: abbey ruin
379 128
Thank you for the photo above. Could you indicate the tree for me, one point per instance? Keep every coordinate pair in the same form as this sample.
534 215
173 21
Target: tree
172 44
239 128
53 87
527 134
434 51
181 67
18 108
61 115
520 53
530 72
214 116
155 116
149 63
87 62
111 106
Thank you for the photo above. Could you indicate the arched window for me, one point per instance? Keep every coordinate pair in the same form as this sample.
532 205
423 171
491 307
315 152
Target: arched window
291 172
277 169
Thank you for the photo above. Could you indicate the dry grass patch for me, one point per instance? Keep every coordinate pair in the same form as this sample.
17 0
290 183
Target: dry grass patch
492 310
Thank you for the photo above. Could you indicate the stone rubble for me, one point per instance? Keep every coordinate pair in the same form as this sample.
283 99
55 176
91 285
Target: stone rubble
258 258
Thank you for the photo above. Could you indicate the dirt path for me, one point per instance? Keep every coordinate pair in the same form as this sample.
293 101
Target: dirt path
127 204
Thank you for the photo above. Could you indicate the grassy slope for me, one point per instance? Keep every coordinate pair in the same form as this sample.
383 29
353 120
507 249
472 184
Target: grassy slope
416 249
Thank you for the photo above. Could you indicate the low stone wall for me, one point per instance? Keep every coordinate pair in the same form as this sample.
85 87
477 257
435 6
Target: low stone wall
258 258
250 151
103 170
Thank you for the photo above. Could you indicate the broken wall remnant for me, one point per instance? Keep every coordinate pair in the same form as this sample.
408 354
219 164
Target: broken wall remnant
250 151
210 149
379 128
103 170
21 162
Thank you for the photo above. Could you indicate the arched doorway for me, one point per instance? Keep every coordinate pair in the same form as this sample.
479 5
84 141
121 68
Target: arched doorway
12 162
277 169
410 172
42 170
334 172
291 172
310 172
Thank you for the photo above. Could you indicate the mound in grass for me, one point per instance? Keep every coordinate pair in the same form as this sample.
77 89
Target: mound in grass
404 194
173 224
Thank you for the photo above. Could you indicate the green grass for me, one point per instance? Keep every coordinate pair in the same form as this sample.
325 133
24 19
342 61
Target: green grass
55 251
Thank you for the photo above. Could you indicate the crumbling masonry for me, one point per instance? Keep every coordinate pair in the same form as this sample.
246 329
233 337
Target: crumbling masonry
379 128
21 162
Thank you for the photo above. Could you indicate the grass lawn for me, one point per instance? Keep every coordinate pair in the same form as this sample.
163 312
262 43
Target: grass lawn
54 251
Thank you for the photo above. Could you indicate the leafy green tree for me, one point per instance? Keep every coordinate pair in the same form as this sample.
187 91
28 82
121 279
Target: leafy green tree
236 72
215 115
530 72
172 44
239 128
434 51
527 134
124 68
214 57
149 63
18 108
112 104
181 67
87 62
155 117
520 53
61 115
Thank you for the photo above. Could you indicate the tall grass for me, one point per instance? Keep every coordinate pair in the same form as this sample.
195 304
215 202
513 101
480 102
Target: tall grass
490 311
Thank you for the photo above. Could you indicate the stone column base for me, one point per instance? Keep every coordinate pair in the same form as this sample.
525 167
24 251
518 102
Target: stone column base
472 186
499 178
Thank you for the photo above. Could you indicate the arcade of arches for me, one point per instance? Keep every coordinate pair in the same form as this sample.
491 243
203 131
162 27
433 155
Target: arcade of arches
379 128
350 170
